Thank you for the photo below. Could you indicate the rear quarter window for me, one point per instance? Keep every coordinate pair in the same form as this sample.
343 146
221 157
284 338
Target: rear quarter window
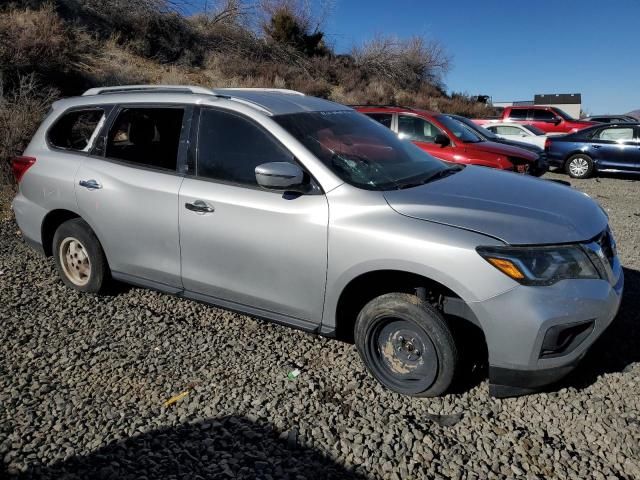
75 130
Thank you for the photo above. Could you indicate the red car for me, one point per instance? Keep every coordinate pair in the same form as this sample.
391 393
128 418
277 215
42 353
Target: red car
450 140
548 119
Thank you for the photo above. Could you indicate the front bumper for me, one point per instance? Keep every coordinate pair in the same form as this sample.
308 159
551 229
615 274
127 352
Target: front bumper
515 324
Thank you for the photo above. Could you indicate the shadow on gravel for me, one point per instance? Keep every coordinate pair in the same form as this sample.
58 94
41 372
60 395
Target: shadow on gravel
226 447
617 348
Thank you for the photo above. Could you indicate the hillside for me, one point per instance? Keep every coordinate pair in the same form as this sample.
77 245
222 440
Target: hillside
635 113
53 49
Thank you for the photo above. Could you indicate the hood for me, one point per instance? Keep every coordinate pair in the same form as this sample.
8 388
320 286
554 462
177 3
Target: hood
583 123
517 209
501 149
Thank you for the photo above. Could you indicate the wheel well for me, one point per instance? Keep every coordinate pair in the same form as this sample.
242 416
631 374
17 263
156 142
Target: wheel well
50 224
367 286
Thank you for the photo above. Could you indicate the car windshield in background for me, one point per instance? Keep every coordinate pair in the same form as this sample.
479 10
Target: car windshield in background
459 129
360 151
563 114
481 131
533 129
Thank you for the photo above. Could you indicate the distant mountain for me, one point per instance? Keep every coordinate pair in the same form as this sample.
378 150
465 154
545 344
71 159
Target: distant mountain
635 113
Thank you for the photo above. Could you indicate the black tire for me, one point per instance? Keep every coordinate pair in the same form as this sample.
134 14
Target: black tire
538 171
579 165
423 364
97 277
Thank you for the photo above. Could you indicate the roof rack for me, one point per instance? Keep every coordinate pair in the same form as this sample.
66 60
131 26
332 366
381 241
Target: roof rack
275 90
148 88
382 106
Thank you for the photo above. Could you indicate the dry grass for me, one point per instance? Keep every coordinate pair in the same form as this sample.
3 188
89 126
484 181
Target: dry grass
148 42
21 111
40 41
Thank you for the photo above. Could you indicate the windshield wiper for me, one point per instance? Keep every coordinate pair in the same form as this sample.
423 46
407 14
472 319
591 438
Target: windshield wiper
435 176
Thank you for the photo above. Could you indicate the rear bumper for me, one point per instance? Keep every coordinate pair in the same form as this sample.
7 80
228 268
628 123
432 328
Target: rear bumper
29 217
518 324
555 161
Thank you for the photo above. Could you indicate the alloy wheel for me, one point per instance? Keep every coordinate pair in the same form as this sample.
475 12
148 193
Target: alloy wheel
579 166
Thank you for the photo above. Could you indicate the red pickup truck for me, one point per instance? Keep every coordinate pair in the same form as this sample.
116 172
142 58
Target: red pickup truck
548 119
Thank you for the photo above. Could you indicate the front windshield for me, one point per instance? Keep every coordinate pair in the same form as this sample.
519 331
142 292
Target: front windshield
563 114
481 131
360 151
533 129
459 129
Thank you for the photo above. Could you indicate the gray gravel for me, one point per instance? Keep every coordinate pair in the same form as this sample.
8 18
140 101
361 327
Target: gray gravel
83 380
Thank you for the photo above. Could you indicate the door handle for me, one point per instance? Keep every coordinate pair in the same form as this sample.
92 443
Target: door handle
596 146
199 206
90 184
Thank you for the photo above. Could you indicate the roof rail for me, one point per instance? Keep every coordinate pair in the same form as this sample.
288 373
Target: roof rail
243 89
148 88
382 106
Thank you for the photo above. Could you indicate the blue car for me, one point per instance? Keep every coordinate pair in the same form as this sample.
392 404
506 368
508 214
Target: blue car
603 148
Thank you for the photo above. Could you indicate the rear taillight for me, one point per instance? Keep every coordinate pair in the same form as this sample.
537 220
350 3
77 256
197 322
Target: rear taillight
20 165
547 143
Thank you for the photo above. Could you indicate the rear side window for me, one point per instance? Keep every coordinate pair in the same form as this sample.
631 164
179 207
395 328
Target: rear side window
146 136
75 130
543 115
383 118
508 130
230 147
623 134
518 114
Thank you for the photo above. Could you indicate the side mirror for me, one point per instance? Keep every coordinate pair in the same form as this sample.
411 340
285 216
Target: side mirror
556 121
441 140
281 176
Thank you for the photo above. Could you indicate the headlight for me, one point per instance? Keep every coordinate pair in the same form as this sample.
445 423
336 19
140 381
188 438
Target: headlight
540 265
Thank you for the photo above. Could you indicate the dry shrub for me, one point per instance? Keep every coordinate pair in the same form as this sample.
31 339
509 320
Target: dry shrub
21 112
38 40
406 62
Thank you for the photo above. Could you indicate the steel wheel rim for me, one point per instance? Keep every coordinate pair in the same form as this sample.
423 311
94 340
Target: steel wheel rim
403 355
579 166
75 261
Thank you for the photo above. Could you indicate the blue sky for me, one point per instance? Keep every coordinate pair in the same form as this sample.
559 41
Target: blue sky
513 49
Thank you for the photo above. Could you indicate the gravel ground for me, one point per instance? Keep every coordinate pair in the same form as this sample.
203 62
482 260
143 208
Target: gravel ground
83 380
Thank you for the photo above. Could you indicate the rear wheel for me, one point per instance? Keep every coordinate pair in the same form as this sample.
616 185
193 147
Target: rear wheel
406 345
79 257
579 166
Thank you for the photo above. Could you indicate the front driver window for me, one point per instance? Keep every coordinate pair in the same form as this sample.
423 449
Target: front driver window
230 147
417 129
543 116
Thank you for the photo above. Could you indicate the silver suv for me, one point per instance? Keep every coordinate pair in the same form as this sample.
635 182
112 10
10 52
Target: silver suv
307 213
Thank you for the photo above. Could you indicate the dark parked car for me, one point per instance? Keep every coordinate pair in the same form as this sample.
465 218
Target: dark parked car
603 148
611 118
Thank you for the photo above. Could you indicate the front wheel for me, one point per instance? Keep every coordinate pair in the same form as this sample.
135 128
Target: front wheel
579 166
406 345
